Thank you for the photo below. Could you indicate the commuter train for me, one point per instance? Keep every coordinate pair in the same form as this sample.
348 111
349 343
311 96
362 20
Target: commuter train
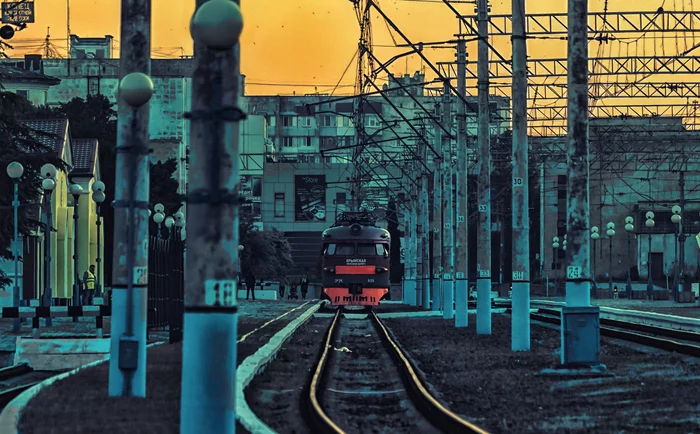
355 261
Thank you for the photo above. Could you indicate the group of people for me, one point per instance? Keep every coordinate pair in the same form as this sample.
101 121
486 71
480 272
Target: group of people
303 283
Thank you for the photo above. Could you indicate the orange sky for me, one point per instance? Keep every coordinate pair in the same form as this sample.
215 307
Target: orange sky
297 41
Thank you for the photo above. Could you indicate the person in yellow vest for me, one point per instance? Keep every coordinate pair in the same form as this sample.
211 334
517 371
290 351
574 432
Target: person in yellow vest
89 286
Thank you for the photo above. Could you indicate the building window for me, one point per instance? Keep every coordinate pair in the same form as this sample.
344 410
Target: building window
279 204
327 121
307 142
340 121
372 122
23 93
305 121
271 121
328 142
289 121
286 142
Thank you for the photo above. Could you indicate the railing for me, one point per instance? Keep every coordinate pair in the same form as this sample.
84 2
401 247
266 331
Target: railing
166 260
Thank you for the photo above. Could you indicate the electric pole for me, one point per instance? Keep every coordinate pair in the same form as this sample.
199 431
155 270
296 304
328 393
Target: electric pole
425 225
208 402
437 215
520 327
483 254
448 253
577 334
127 364
413 296
461 199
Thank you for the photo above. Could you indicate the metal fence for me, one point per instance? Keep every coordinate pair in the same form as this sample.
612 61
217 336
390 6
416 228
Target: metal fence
166 284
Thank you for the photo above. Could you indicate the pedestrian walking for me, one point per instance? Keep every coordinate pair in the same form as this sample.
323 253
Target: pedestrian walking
88 286
250 286
304 283
282 287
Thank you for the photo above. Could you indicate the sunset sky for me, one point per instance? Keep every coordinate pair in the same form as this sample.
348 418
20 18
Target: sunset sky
300 41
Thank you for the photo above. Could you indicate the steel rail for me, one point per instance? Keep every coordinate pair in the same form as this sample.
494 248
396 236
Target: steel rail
6 396
14 371
442 418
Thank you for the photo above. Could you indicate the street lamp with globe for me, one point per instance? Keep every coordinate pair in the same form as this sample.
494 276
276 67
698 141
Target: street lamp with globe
48 184
650 225
555 252
15 171
595 236
98 195
76 190
158 218
680 260
629 228
169 223
611 233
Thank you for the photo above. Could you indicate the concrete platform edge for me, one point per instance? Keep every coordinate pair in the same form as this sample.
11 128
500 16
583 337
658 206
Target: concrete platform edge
9 418
254 364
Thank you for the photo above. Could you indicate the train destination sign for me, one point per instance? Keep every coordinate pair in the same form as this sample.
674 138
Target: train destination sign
17 12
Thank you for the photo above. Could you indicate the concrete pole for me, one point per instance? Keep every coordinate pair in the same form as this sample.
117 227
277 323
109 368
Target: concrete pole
520 332
437 218
681 239
210 319
16 296
425 229
419 245
415 255
48 292
127 364
461 223
409 284
76 250
577 334
448 253
483 254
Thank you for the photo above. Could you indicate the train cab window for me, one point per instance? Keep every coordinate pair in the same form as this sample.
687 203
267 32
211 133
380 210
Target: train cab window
366 250
381 250
345 249
330 250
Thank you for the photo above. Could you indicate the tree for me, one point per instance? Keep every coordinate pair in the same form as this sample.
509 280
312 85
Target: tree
266 253
20 143
164 186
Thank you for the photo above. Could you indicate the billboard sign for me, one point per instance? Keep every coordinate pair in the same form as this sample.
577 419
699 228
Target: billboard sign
17 12
310 198
251 190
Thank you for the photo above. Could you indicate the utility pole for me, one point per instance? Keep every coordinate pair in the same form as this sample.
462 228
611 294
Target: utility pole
127 364
520 327
461 199
413 299
208 400
437 215
483 254
576 334
448 253
425 225
681 236
409 287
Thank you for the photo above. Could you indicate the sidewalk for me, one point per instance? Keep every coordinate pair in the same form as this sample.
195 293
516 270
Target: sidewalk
80 403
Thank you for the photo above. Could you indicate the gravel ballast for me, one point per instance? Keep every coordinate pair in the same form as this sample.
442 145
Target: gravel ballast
480 378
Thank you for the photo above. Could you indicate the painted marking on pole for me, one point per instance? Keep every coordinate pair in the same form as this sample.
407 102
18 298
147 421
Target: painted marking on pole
483 208
518 275
436 230
460 219
484 273
140 275
573 272
220 292
437 275
517 182
447 276
460 275
447 225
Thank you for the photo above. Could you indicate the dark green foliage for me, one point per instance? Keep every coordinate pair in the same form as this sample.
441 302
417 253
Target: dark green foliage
19 143
395 248
267 254
164 186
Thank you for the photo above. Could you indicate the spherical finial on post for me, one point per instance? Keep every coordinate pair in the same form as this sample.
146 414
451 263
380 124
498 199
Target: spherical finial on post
98 196
49 171
15 170
169 222
98 186
136 89
76 189
217 24
48 184
159 208
158 217
240 247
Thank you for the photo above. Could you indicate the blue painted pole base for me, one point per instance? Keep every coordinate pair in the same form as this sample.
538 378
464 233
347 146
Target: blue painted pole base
520 327
128 382
409 296
461 303
426 294
448 292
209 373
437 295
483 306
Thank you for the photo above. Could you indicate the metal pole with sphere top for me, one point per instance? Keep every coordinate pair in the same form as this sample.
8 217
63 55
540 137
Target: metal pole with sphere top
629 228
48 184
98 195
209 364
76 190
680 260
15 172
650 225
127 363
611 233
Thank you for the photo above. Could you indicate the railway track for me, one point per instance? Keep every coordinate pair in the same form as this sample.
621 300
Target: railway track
679 341
363 382
16 379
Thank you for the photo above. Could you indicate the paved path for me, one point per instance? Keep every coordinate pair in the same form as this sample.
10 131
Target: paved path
79 404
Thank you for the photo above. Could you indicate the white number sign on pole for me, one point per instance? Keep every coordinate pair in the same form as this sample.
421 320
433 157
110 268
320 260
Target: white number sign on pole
517 182
460 219
518 275
484 273
573 272
482 208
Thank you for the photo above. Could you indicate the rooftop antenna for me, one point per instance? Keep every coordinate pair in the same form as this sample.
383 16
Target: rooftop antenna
47 47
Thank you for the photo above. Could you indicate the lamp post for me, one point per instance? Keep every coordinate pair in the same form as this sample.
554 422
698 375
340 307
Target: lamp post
158 218
48 184
210 299
179 223
676 218
650 285
595 236
98 195
611 233
169 223
15 171
629 228
76 190
555 246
